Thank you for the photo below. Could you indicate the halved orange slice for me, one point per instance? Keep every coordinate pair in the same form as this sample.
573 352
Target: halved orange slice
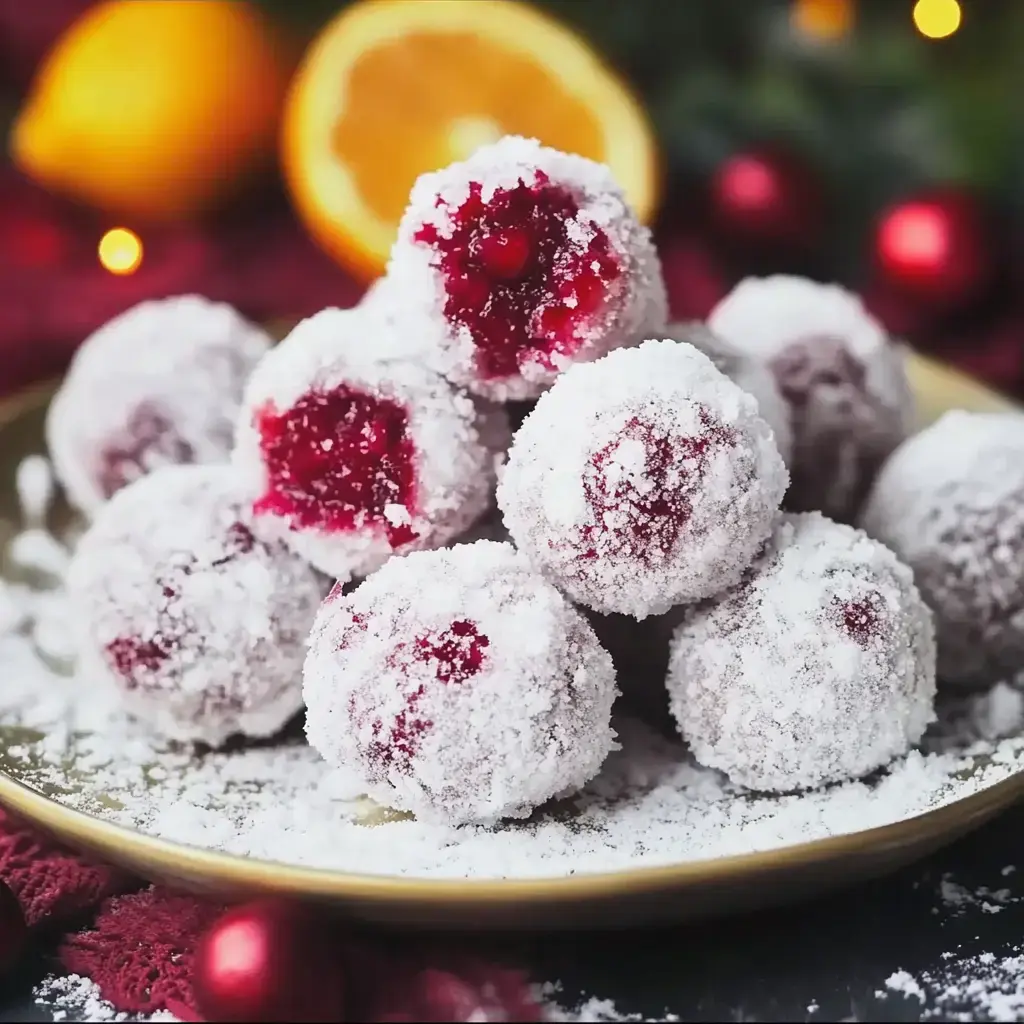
393 88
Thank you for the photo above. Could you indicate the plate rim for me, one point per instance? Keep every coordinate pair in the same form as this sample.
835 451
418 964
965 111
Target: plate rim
119 842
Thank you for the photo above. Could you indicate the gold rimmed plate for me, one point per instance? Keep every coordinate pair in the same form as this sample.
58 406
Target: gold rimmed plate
643 895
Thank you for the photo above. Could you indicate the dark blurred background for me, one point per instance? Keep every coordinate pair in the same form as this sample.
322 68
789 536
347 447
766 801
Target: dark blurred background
875 142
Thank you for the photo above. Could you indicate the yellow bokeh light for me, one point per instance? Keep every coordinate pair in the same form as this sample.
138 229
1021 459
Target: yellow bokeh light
937 19
120 251
823 19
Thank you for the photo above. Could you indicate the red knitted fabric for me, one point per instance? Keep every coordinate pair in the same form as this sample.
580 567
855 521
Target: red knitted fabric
139 950
139 953
52 885
139 947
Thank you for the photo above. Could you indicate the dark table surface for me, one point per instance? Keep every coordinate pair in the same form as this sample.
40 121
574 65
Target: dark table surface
823 961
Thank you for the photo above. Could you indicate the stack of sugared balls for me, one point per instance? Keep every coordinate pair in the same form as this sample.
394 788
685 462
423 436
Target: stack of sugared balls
459 663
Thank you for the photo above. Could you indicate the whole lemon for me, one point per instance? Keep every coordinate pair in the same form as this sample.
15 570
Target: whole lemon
154 108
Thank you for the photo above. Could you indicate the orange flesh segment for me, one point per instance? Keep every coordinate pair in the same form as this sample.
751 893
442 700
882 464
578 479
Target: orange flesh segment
464 95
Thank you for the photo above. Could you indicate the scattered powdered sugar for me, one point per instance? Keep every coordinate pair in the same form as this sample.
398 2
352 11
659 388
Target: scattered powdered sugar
72 997
650 805
957 898
950 503
159 384
589 1010
479 704
424 457
819 666
34 484
971 988
661 489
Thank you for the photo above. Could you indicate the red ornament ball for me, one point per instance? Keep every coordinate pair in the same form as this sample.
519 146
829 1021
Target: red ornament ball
13 929
768 198
934 249
268 961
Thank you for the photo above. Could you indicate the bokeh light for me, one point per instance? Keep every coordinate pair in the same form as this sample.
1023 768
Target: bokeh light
823 19
937 19
120 251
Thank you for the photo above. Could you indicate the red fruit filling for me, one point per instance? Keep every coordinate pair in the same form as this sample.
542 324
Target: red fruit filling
457 654
149 438
518 277
860 619
134 656
639 488
335 460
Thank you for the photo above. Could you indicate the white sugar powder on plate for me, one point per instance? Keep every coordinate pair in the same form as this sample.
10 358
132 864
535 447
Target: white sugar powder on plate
592 1009
72 997
972 988
651 804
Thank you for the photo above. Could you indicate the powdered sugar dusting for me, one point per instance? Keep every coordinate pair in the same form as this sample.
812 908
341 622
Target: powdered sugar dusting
34 484
819 666
72 997
576 270
950 503
589 1010
159 384
423 445
965 988
661 488
650 804
748 373
479 704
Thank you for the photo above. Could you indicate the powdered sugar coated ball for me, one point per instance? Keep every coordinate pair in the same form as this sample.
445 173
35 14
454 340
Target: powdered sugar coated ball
819 666
641 481
160 384
200 624
950 503
356 452
480 702
746 372
844 380
521 261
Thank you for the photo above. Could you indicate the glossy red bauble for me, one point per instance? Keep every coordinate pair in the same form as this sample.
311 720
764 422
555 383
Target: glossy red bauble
934 249
766 199
268 961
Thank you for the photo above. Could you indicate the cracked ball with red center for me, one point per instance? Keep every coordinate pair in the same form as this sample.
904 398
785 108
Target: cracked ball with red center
524 275
639 488
454 656
337 460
